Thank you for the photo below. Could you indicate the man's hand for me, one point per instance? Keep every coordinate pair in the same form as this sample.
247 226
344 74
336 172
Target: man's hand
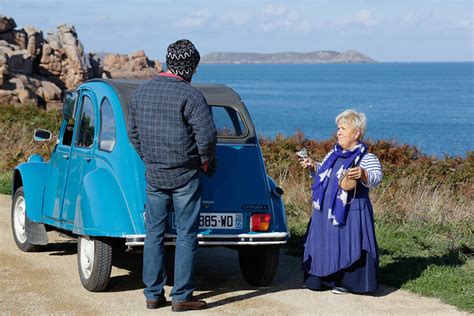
209 169
205 166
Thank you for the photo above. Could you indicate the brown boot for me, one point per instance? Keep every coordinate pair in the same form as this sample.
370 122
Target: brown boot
191 304
154 304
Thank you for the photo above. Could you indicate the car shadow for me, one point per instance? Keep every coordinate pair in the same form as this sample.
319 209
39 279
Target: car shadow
63 248
218 273
132 263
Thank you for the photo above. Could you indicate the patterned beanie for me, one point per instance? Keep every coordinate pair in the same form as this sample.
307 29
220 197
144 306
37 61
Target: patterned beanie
182 59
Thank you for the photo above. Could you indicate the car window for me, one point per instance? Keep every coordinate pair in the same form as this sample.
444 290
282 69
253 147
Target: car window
70 122
107 127
85 135
228 122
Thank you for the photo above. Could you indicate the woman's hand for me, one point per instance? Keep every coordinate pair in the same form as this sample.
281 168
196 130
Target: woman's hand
308 163
357 173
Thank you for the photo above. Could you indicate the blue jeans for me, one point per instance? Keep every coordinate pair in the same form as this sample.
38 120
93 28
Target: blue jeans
187 204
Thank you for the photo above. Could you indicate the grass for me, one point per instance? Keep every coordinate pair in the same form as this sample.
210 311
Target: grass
421 258
424 207
5 182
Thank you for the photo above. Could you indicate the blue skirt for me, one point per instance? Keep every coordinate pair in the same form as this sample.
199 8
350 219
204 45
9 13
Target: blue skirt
360 277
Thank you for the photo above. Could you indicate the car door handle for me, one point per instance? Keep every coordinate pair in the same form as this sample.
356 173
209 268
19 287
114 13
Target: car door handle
65 156
87 159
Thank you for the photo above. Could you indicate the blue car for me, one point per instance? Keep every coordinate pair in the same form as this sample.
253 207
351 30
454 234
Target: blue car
93 186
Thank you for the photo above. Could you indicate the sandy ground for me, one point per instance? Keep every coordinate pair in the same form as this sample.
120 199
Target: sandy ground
47 282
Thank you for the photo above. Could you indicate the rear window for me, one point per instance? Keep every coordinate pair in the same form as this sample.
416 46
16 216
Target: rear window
228 121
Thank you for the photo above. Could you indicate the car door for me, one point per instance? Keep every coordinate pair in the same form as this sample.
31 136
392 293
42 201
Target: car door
59 163
81 158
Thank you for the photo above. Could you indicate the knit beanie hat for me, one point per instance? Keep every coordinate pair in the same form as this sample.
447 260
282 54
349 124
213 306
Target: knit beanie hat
182 59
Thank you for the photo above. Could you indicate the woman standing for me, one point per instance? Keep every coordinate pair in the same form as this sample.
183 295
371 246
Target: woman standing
340 250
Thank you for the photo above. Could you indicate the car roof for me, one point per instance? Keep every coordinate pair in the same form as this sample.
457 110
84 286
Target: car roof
215 94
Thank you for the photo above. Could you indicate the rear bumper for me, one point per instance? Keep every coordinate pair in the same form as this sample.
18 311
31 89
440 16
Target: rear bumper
219 240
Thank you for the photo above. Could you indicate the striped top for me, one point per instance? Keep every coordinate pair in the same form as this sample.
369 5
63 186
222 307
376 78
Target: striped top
369 162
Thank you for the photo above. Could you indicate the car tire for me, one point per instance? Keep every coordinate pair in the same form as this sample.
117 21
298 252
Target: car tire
94 260
259 264
18 221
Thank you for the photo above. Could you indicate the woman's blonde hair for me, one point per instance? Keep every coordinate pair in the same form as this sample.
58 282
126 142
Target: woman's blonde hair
356 119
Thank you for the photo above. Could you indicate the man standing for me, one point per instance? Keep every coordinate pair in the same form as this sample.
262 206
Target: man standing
171 127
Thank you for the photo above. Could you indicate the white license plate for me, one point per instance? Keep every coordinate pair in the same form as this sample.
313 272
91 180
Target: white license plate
218 220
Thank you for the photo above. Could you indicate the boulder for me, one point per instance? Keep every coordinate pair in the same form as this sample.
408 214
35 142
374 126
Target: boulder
3 74
27 97
34 41
133 66
49 91
20 62
7 97
6 23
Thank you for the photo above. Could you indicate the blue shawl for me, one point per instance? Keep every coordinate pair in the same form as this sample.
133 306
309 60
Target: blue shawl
337 204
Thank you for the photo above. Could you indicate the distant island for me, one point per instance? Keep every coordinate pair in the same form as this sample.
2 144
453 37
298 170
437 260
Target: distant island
318 57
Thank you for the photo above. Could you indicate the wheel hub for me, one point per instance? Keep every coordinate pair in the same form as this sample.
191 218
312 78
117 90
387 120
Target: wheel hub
19 219
86 256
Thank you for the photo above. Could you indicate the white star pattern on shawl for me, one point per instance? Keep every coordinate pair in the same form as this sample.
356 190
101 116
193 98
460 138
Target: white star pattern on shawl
340 172
343 197
324 174
316 205
332 218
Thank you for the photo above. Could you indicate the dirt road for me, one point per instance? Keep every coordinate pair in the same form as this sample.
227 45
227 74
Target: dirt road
48 282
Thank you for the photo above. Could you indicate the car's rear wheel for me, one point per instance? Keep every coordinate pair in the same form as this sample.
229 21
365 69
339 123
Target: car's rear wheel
94 259
18 218
259 263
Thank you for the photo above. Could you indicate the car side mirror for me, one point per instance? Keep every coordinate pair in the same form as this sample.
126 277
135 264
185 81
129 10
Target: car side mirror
69 104
42 135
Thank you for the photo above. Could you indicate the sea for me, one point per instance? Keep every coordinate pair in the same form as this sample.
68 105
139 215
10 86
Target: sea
427 105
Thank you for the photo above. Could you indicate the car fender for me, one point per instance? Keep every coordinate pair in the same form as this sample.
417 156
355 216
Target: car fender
281 223
102 209
32 175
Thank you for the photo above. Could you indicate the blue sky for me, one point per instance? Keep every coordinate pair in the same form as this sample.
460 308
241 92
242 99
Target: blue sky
403 30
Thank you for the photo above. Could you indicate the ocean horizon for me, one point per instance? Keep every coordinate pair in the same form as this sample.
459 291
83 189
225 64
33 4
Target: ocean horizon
429 105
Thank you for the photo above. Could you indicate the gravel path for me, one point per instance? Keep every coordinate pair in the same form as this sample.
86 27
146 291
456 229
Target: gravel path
48 282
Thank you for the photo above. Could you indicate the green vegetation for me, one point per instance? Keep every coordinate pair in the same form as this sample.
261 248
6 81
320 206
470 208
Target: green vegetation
17 124
424 206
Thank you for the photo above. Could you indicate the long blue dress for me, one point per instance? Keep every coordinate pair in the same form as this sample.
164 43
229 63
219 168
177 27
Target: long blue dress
343 255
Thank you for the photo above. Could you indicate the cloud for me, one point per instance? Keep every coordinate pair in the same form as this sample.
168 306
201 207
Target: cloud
195 19
364 18
280 18
233 19
410 18
466 24
270 19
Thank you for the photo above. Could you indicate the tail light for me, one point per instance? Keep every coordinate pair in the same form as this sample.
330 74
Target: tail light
260 222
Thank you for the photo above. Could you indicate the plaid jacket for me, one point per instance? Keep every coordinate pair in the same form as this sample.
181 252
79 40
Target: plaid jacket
171 127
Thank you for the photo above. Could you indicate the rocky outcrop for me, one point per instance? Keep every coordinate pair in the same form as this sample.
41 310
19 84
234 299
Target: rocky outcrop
35 69
62 58
132 66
